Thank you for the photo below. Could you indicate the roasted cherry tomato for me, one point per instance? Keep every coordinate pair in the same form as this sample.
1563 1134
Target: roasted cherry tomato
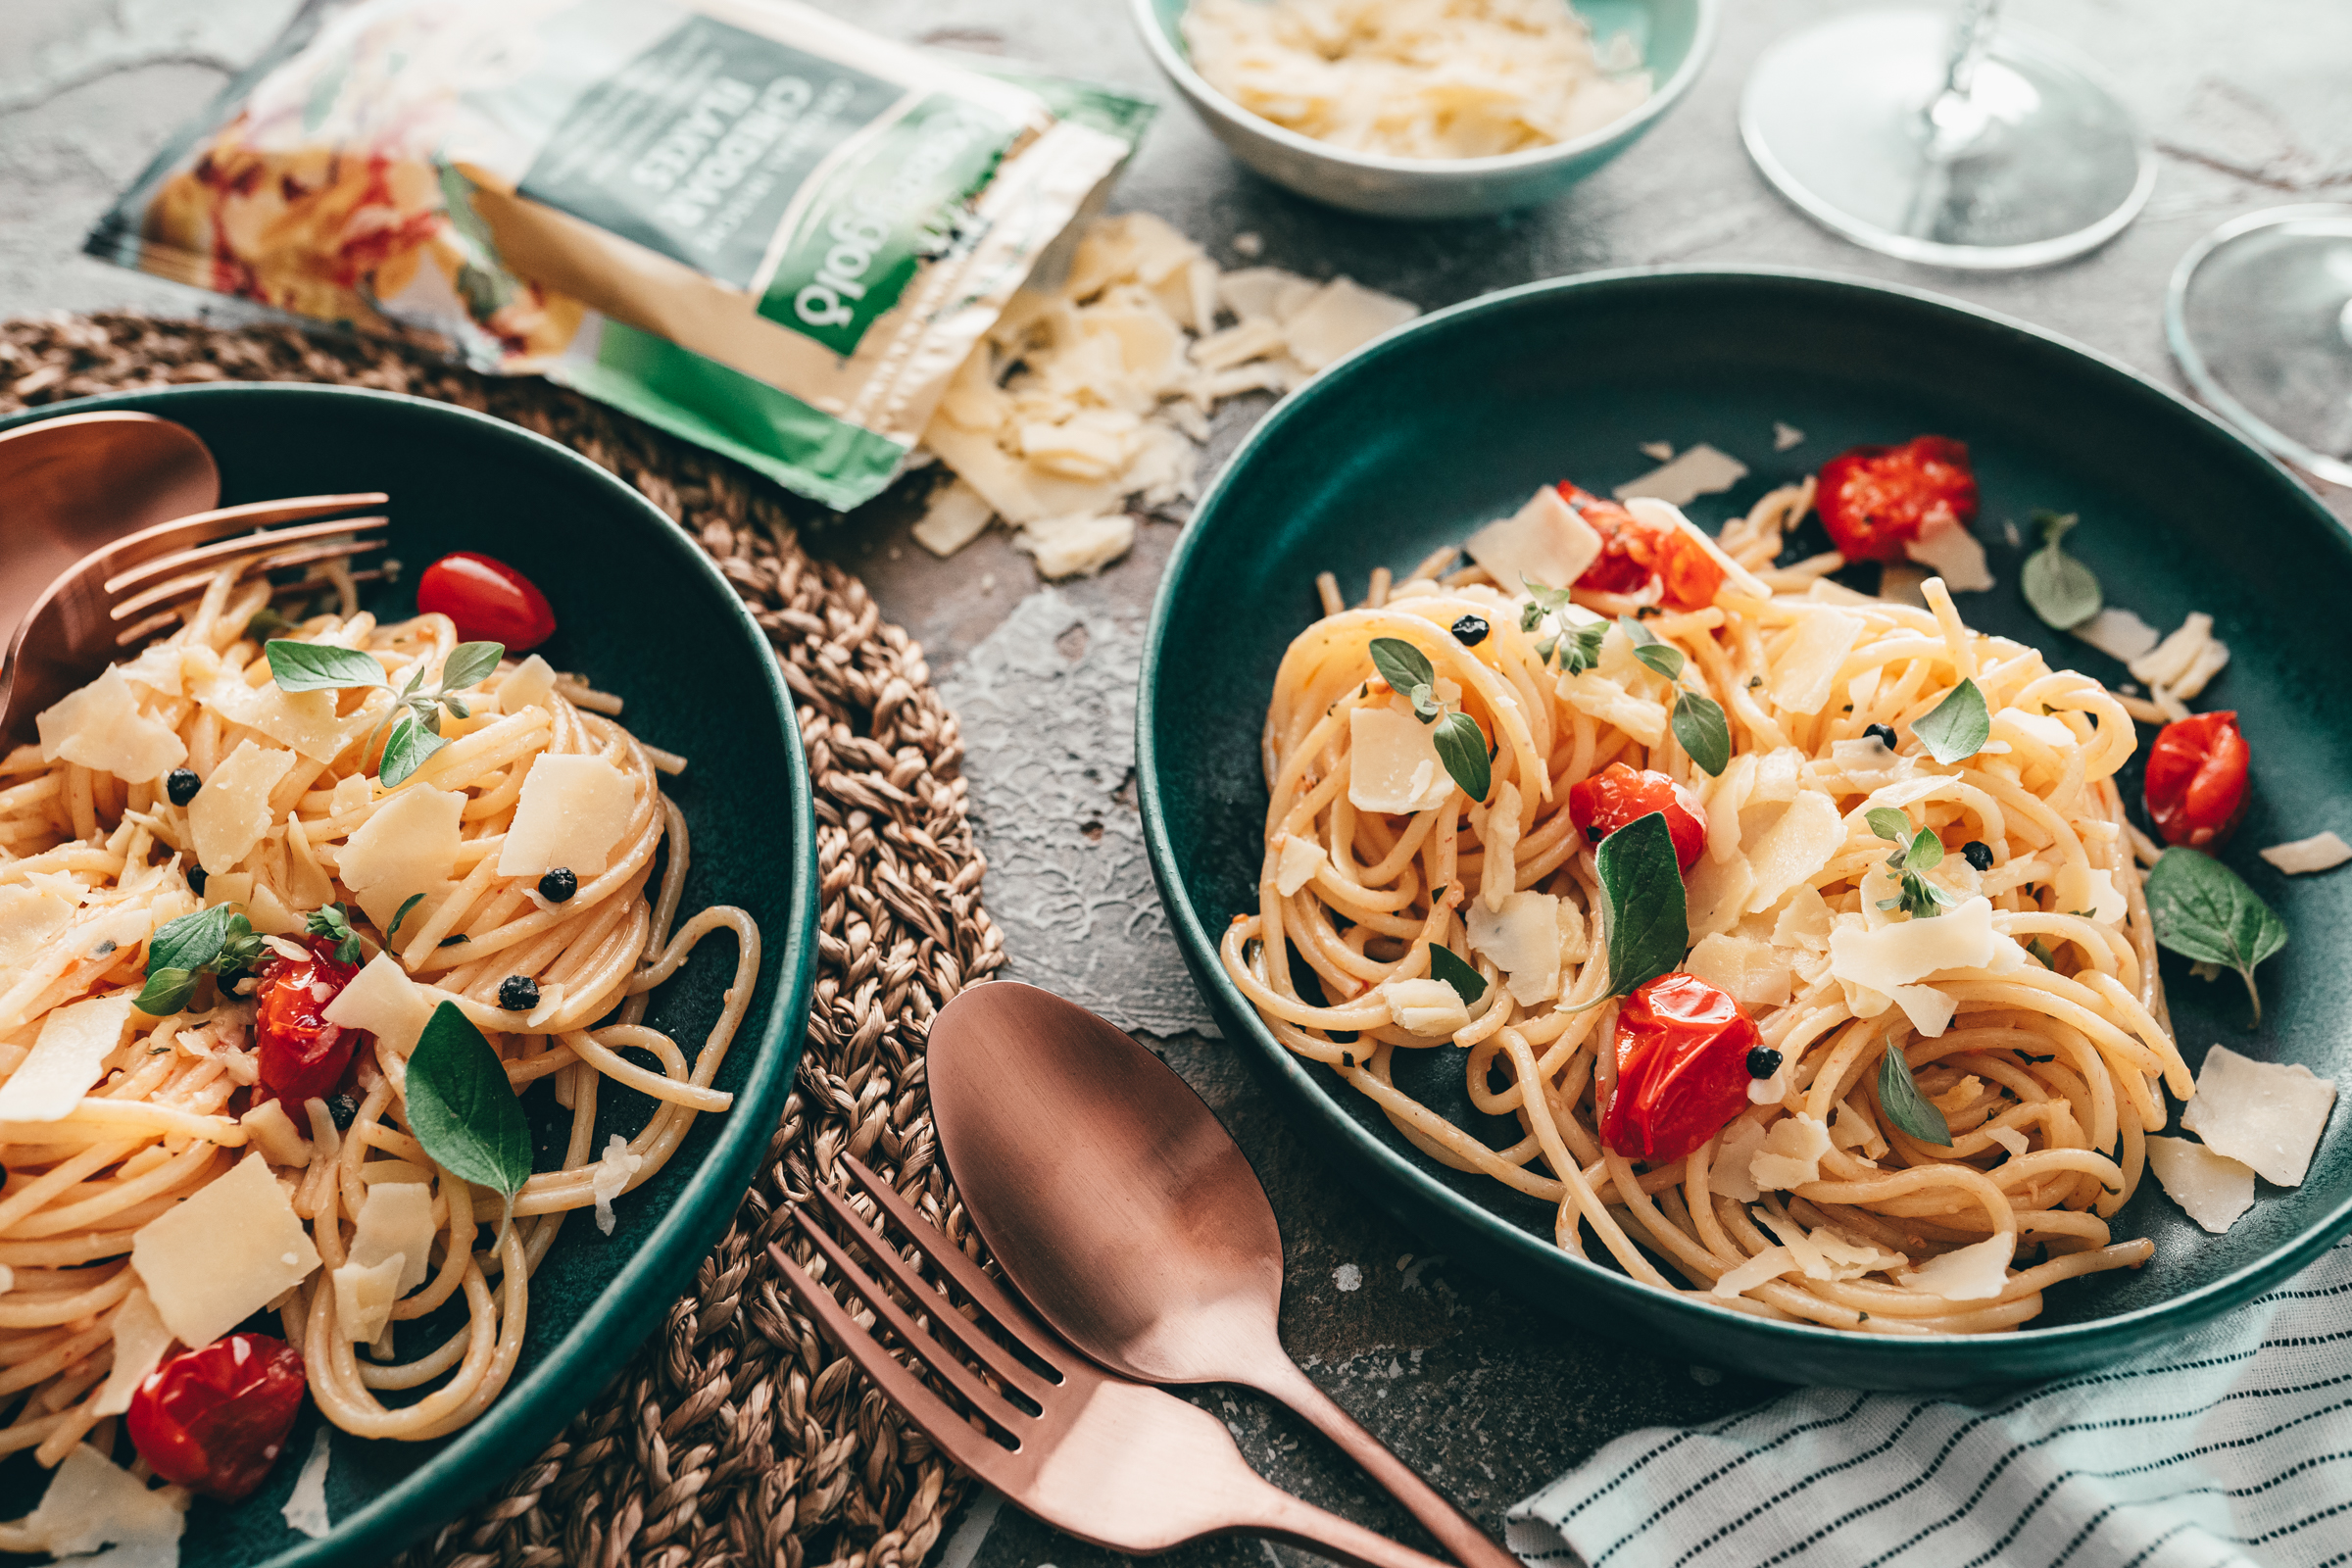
2196 789
215 1419
1875 500
1682 1069
1617 796
1634 554
303 1057
490 601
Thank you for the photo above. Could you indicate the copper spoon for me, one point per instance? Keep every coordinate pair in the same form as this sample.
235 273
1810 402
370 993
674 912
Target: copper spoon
71 484
1114 1200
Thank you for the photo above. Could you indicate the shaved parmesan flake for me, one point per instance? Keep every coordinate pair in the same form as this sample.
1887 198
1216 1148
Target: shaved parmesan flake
1769 1264
1497 826
1806 672
1954 555
2118 634
2082 890
66 1059
2009 1137
410 846
396 1221
1718 893
955 518
1544 542
1806 922
611 1178
1076 546
572 813
90 1503
1869 762
29 917
1342 316
2267 1114
530 684
1749 972
1902 584
304 721
306 1508
1656 451
2180 665
101 727
384 1001
140 1341
1298 863
1702 471
2322 851
1786 437
1795 849
270 1130
1428 1008
1904 952
1392 765
1977 1272
1523 938
1929 1009
1789 1154
2211 1188
232 812
223 1253
364 1296
1730 1174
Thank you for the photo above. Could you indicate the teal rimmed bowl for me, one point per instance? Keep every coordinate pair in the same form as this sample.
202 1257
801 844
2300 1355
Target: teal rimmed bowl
641 612
1672 37
1457 417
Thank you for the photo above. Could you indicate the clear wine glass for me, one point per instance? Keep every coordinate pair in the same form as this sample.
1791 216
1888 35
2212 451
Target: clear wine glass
2260 318
1955 142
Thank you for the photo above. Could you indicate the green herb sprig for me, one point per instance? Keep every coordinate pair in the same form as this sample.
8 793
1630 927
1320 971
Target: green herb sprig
1699 722
462 1108
1905 1107
2061 590
333 921
1914 852
218 941
1956 728
1650 911
2203 911
1460 744
415 716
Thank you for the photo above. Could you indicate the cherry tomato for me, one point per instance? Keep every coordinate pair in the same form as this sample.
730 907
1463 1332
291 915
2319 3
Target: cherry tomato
303 1057
215 1419
1617 796
1634 554
2197 788
1682 1069
1875 500
490 601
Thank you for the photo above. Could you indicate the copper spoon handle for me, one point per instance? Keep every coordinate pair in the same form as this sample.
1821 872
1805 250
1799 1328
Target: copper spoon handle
1303 1524
1281 1379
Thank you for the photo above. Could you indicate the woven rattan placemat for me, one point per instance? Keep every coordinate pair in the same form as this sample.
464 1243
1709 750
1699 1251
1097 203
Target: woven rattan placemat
738 1433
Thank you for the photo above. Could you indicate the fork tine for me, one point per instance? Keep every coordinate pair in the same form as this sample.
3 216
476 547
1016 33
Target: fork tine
987 1351
263 560
242 544
935 1356
975 1451
1012 1314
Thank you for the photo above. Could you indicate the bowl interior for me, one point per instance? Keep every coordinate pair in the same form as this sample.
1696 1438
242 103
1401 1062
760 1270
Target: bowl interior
641 612
1458 419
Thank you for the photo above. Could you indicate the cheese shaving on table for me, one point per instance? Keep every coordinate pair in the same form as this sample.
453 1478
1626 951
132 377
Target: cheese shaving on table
612 1178
1416 78
2322 851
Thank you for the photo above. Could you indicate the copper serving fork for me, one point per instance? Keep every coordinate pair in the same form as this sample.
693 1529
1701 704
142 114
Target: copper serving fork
118 593
1120 1464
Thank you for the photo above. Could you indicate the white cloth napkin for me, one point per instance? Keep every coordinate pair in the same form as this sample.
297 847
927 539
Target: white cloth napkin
2230 1448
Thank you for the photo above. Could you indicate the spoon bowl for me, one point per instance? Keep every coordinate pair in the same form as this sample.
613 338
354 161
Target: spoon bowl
71 484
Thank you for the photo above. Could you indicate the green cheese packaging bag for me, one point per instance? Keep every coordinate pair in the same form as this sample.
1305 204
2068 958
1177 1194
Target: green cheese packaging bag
743 220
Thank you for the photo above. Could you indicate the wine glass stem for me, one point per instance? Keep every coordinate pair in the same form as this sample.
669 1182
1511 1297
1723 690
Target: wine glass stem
1971 35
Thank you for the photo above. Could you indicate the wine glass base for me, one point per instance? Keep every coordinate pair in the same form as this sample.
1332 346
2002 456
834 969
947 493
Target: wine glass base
2040 163
2259 315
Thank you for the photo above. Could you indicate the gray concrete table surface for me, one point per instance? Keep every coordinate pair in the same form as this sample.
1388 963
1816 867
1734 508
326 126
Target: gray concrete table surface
1488 1396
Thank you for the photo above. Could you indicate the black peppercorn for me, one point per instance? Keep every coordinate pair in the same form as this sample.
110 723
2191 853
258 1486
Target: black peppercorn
1762 1062
1471 630
342 1110
196 880
518 993
559 885
1882 733
182 785
1977 853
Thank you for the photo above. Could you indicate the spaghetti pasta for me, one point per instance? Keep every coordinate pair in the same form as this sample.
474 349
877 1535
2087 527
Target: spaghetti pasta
2030 1015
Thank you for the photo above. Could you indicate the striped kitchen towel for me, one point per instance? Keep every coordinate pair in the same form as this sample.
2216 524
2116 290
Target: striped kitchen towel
2231 1448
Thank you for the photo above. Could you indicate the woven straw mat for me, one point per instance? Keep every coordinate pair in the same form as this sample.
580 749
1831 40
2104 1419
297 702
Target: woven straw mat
738 1435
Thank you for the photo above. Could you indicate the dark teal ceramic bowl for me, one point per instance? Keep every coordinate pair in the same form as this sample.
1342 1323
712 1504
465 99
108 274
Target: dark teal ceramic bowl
641 612
1459 417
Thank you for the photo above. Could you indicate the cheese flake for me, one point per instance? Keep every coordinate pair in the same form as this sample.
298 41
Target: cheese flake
956 516
2211 1188
1431 1008
1749 972
2322 851
384 1001
270 1130
1729 1174
2118 634
1298 863
530 684
66 1059
1523 938
1393 763
1955 555
613 1171
1701 470
1342 316
101 727
1977 1272
572 813
1544 542
396 1220
91 1503
1796 848
2267 1114
29 917
363 1298
1078 545
232 812
140 1341
1904 952
1805 672
1789 1154
306 1506
304 720
226 1252
1767 1265
410 846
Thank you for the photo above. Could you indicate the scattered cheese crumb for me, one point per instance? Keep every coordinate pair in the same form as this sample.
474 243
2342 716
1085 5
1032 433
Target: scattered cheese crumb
1249 245
1786 437
1789 1154
612 1178
306 1508
2322 851
2118 634
1702 471
1977 1272
1656 451
1348 1277
1078 546
1954 555
957 517
2008 1138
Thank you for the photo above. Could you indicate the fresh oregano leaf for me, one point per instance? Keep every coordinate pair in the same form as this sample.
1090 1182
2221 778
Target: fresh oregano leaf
470 665
402 913
1957 727
463 1109
1649 914
2203 911
1661 656
299 667
1899 1098
1426 706
165 992
1703 731
1462 747
1579 649
2043 953
1447 966
1403 665
1926 853
2061 590
333 921
215 941
406 748
1531 616
1889 824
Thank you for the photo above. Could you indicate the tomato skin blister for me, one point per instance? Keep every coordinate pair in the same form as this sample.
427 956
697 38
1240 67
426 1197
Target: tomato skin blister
1636 555
1876 500
2199 771
1682 1069
215 1418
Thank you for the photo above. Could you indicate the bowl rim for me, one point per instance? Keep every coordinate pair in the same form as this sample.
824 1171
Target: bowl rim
2205 1301
510 1432
1177 66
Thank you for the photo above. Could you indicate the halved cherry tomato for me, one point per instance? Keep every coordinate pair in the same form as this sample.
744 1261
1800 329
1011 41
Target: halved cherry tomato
1617 796
216 1418
303 1057
1875 500
490 601
2197 788
1682 1069
1634 554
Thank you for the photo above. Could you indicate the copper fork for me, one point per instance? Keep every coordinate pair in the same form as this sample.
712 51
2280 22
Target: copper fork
1120 1464
124 591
